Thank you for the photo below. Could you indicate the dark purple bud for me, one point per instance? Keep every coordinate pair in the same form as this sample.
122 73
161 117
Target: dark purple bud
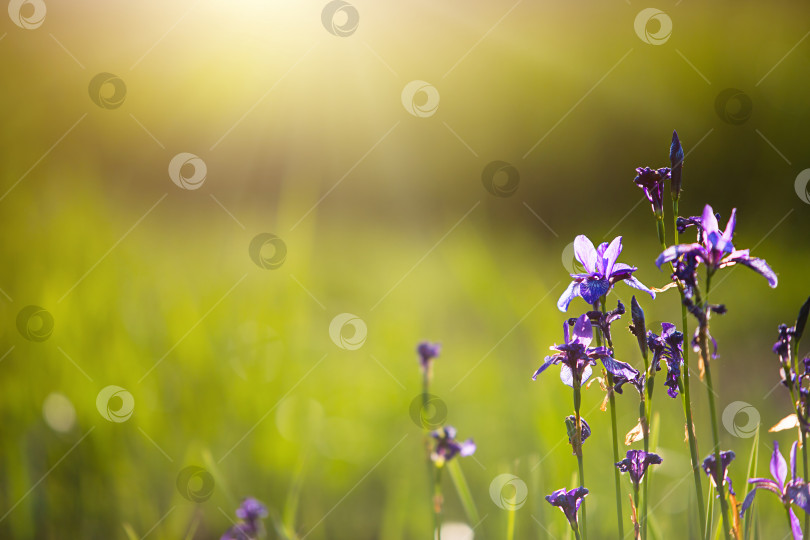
652 182
676 160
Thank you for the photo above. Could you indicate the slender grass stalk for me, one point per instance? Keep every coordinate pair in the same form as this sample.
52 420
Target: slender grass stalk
433 486
614 429
752 473
437 503
703 340
463 490
510 525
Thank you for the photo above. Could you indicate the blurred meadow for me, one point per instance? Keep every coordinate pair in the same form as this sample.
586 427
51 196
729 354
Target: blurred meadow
384 214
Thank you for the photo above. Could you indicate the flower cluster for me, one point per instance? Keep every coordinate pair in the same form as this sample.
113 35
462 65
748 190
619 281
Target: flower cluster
250 512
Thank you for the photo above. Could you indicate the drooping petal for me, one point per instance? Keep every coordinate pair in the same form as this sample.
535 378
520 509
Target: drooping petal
467 448
636 284
611 254
548 361
795 526
568 295
759 265
586 374
591 290
673 252
748 500
620 369
585 253
778 466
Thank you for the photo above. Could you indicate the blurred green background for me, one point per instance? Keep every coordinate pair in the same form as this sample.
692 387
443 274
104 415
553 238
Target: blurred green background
384 215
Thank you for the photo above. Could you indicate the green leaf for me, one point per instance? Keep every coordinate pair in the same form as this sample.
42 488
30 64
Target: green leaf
291 505
752 473
801 321
463 490
710 512
130 532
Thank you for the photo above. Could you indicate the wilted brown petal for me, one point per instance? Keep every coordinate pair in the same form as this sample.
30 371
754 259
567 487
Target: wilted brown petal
635 434
788 422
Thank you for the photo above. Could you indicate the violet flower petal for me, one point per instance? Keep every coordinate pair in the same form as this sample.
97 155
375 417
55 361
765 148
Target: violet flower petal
585 253
778 466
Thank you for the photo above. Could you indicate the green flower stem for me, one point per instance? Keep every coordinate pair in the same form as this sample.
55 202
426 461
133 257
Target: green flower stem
437 503
791 387
614 429
432 480
576 531
686 395
703 340
641 525
578 450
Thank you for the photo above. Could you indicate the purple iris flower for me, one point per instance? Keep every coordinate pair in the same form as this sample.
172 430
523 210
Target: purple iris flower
669 346
447 447
602 271
427 352
636 464
793 491
569 502
652 182
715 249
782 346
251 512
603 319
576 358
715 473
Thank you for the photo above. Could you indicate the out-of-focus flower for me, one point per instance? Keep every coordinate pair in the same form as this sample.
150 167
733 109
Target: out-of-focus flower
719 475
427 352
251 512
447 447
